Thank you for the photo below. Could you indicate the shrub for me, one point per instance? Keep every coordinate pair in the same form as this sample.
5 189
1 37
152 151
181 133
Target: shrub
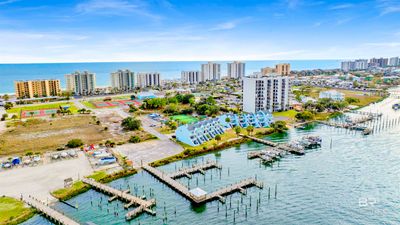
134 139
131 124
74 143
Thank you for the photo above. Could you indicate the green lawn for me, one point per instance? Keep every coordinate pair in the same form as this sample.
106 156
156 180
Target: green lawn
18 109
184 119
13 211
88 104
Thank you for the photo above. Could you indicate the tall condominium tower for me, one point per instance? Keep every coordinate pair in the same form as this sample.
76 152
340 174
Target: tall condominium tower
148 79
81 83
123 80
265 93
190 77
236 70
37 88
282 69
210 71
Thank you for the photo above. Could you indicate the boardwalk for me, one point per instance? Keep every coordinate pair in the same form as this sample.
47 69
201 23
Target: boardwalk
53 215
194 169
183 190
143 205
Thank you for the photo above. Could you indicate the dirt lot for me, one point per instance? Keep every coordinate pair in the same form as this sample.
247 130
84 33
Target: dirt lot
37 135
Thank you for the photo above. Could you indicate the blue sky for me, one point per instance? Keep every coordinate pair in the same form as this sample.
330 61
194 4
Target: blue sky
169 30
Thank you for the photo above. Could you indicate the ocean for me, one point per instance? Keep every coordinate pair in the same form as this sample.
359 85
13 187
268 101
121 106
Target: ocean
168 70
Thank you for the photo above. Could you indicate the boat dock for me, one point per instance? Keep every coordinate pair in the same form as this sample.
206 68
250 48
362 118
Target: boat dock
200 168
366 113
143 205
50 213
184 191
280 146
262 141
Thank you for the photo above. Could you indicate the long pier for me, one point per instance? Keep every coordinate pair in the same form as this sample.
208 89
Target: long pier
184 191
280 146
366 113
143 205
194 169
55 216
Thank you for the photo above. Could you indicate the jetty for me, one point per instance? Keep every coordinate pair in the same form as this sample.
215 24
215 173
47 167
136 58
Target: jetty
48 212
200 168
143 206
203 197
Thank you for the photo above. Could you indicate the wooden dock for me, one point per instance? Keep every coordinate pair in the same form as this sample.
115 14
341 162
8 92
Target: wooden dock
50 213
143 205
184 191
280 146
262 141
200 168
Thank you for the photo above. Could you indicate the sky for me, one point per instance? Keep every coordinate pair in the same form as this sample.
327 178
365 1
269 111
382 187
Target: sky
35 31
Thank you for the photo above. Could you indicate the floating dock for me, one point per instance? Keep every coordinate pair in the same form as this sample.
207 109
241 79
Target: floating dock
200 168
144 206
184 191
50 213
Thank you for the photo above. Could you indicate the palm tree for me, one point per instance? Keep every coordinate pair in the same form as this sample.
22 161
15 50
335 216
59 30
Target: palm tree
31 113
250 129
237 130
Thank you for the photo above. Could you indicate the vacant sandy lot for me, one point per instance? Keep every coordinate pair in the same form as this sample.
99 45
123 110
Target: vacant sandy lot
39 181
47 135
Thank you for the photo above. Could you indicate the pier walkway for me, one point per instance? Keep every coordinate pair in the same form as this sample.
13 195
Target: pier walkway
366 113
53 215
183 190
280 146
143 205
200 168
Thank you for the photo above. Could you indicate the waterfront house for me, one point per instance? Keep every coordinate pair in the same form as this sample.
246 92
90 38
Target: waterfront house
197 133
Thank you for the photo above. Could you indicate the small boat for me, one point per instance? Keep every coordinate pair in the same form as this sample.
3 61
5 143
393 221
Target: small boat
36 158
396 106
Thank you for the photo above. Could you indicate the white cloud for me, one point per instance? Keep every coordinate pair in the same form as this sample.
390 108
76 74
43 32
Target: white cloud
388 6
384 44
8 2
229 25
341 6
292 4
114 7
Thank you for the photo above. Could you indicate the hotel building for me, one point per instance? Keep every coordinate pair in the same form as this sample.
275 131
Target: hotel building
148 80
206 130
37 88
265 93
282 69
123 80
394 61
210 71
81 83
236 70
191 77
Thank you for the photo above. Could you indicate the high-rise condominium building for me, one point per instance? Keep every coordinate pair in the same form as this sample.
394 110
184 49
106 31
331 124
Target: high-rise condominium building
394 61
381 62
236 70
81 83
123 80
37 88
148 80
210 72
282 69
262 93
359 64
190 77
267 70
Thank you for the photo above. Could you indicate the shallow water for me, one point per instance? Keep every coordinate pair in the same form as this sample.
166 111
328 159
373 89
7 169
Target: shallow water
351 179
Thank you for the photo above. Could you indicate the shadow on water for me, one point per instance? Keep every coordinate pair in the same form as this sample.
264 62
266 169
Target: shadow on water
198 208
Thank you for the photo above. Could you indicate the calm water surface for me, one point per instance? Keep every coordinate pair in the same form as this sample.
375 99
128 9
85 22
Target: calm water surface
354 180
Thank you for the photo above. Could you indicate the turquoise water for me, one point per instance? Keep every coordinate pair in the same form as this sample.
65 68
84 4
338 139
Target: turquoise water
354 180
168 70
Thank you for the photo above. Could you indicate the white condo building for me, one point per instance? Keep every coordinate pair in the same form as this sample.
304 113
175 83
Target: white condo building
359 64
236 70
210 71
191 77
123 80
148 80
394 61
81 83
265 93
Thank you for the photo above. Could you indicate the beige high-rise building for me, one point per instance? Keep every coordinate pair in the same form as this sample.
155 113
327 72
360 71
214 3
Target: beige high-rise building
37 88
267 70
282 69
148 79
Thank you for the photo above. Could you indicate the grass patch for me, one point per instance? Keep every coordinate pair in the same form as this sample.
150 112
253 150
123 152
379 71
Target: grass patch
42 135
13 211
79 187
288 116
88 104
184 119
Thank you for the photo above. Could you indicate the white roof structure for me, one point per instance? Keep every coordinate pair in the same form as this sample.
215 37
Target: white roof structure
198 192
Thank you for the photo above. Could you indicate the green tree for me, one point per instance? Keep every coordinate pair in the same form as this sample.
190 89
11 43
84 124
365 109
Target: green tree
279 126
250 129
131 124
352 100
304 116
237 130
217 137
14 117
134 139
8 105
6 97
